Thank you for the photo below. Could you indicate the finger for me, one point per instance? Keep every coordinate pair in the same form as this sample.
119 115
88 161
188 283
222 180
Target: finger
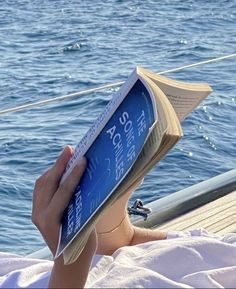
55 174
64 193
61 163
47 184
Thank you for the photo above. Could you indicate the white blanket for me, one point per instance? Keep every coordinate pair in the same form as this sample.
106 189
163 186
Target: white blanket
185 260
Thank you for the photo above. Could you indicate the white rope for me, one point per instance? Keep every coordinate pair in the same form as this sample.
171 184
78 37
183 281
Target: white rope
112 85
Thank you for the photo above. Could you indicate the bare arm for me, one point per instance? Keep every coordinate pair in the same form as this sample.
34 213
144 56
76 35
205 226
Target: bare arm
49 202
74 275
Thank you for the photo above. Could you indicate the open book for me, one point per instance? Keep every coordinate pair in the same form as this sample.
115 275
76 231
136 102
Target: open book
138 127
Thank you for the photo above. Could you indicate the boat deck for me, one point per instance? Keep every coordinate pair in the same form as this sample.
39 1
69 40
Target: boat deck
218 216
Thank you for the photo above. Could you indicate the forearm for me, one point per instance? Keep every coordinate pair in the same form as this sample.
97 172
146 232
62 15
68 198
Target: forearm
75 274
69 276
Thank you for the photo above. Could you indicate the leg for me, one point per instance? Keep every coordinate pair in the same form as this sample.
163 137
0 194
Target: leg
114 229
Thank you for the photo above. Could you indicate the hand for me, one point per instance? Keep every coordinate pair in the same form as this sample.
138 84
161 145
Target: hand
50 198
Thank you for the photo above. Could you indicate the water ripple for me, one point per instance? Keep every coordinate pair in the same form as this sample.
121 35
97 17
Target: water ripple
51 48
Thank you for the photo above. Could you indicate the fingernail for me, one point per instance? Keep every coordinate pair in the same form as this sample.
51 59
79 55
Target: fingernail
66 148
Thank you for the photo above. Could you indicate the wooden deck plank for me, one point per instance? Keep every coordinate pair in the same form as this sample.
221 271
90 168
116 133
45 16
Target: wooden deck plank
217 207
206 219
218 216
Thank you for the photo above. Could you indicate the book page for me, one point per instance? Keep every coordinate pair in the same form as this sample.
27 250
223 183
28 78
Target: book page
151 146
184 97
184 101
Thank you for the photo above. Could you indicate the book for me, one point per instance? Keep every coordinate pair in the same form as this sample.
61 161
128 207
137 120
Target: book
138 127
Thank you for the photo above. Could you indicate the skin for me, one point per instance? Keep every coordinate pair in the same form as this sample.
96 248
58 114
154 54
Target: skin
50 198
125 233
49 201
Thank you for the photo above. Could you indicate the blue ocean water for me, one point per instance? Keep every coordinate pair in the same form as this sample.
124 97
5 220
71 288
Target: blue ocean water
51 48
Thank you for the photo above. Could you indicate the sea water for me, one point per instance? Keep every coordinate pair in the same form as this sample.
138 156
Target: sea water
52 48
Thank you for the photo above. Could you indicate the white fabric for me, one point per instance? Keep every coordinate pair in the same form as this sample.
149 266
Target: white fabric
20 272
185 260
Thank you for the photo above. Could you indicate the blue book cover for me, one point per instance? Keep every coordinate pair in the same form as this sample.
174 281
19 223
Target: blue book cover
109 159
